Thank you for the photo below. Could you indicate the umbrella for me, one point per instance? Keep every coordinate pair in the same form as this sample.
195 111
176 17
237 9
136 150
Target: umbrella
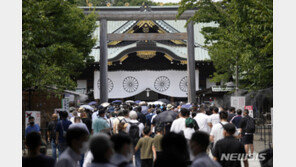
187 106
117 101
92 103
138 101
164 101
129 101
87 107
158 102
166 116
106 104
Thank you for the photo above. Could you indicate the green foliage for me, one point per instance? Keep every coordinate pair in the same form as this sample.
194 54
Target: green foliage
57 40
243 34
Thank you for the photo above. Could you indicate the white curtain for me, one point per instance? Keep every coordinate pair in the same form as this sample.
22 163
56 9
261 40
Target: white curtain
123 84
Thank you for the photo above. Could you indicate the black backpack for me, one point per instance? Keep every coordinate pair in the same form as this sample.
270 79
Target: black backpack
134 132
250 128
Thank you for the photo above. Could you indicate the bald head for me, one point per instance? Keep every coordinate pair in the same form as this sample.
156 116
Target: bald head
54 117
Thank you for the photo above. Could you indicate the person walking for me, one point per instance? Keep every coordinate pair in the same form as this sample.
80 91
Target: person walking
100 124
178 125
214 118
199 143
134 129
101 151
247 130
51 134
229 151
231 114
156 146
61 131
34 158
76 138
123 150
145 146
32 126
217 130
236 119
202 120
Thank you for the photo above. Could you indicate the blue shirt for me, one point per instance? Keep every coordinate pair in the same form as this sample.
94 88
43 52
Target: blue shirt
99 124
34 128
65 123
148 118
236 120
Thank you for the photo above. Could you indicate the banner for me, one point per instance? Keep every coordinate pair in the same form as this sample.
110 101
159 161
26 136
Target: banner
124 84
250 108
238 102
36 115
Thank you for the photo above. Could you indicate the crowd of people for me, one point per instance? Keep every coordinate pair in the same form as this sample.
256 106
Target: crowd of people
142 135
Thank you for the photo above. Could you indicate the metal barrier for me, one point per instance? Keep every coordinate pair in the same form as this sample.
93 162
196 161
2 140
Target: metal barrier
265 132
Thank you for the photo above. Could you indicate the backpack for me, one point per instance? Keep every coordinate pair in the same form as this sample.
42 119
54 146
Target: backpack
250 128
134 132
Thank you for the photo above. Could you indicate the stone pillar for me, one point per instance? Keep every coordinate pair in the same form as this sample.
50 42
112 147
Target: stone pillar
103 62
191 63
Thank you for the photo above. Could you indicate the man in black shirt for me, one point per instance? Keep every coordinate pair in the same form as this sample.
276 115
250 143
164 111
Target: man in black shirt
229 151
34 158
247 130
231 114
51 134
141 116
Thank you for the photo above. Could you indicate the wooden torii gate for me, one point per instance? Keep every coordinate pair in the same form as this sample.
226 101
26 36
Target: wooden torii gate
143 13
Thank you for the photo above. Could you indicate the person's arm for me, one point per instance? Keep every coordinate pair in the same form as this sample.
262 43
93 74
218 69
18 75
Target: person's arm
57 138
210 124
154 152
138 146
211 138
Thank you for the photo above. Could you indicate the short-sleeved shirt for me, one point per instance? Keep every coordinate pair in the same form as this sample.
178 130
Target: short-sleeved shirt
214 119
217 131
230 116
178 125
40 160
202 121
99 124
236 120
65 123
145 144
52 130
34 128
243 124
157 142
226 148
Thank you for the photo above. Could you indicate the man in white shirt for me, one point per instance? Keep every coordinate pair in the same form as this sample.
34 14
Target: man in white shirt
133 120
178 125
214 118
202 120
217 130
77 123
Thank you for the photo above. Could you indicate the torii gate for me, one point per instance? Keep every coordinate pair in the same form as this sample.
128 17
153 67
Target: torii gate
143 13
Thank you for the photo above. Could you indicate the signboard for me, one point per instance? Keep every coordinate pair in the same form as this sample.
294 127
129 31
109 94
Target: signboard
221 89
65 104
238 102
250 108
35 114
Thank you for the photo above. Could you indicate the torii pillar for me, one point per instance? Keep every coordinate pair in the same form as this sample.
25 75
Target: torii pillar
103 62
191 63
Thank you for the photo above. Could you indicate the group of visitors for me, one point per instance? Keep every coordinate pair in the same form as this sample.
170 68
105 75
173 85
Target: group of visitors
127 135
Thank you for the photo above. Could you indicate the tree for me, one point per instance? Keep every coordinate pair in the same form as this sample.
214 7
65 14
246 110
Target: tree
242 38
57 40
